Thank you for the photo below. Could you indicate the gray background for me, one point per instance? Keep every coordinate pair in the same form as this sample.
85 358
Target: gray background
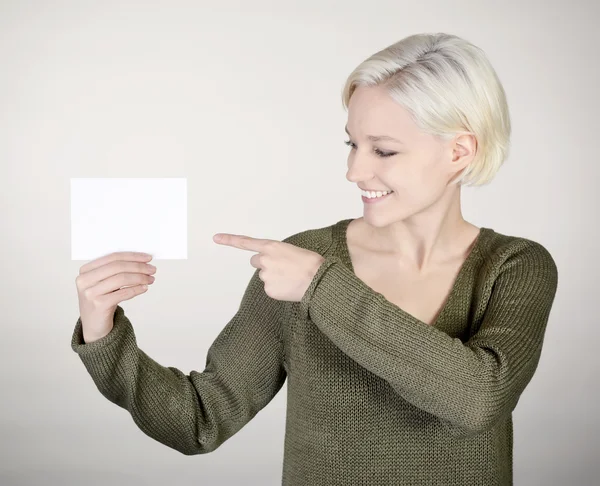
243 99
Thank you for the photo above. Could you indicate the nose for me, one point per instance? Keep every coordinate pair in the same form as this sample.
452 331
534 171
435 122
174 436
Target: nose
360 168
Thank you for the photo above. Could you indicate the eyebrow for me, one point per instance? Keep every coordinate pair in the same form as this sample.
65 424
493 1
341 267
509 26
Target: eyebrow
375 138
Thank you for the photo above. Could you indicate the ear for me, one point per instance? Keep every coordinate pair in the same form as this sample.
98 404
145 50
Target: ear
464 148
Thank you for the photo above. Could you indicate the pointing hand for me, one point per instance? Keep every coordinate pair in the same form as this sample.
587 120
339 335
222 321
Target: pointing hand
286 270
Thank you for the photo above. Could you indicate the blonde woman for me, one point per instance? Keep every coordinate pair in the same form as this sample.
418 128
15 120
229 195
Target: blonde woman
406 335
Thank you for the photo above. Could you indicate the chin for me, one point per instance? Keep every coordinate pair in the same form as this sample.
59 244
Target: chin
382 219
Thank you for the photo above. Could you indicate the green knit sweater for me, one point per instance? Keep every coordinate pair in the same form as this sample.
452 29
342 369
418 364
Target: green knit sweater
374 395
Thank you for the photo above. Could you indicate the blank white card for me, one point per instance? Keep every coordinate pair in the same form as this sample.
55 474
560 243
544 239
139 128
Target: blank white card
146 215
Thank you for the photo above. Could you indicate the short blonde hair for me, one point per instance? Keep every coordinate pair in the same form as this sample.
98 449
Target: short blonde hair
447 85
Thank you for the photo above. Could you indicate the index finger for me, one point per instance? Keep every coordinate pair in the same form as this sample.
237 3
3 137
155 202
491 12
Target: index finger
131 256
241 241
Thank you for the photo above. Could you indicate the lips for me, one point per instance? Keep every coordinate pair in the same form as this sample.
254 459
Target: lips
370 200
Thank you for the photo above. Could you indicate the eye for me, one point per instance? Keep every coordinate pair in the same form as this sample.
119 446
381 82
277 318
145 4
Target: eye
377 151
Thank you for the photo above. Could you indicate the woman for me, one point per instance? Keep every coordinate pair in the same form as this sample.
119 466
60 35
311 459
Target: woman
406 336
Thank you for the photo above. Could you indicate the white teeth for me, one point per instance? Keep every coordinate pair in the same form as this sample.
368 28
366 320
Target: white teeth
371 195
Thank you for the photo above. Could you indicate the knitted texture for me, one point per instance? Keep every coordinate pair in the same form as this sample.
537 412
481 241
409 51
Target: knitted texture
374 395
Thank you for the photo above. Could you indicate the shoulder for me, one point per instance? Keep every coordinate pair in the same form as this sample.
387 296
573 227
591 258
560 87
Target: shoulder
318 239
522 257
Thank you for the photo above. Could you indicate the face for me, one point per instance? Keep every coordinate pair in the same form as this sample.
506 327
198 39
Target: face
417 168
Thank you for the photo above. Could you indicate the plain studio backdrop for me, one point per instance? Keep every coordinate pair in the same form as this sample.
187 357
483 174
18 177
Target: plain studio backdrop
244 100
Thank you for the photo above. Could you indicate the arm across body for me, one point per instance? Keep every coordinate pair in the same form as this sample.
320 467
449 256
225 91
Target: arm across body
469 386
195 413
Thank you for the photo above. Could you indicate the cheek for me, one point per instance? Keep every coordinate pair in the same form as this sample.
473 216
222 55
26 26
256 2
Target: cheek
431 173
420 186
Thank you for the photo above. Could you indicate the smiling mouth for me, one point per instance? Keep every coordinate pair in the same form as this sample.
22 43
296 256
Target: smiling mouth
377 197
368 200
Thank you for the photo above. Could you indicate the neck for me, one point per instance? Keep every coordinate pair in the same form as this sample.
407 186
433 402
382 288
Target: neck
435 236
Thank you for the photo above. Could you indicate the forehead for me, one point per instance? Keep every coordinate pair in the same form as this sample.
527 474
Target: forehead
372 110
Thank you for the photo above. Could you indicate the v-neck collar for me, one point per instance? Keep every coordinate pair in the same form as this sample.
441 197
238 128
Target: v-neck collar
464 274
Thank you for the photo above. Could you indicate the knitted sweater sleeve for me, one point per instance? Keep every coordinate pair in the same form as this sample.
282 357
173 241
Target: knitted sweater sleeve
194 413
469 386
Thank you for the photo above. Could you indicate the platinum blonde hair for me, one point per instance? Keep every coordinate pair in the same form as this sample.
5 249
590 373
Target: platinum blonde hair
448 86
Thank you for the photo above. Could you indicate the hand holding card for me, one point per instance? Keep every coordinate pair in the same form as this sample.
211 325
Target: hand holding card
106 281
